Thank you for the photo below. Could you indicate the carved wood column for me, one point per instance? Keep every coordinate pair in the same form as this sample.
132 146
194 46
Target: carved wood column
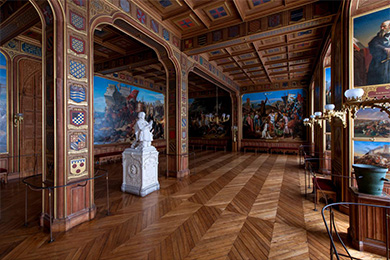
177 116
235 121
67 113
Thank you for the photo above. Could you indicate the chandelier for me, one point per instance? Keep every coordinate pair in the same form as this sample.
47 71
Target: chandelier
216 118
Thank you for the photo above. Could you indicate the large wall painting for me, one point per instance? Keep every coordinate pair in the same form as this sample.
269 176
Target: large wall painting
371 43
3 104
274 115
372 123
202 125
373 153
116 106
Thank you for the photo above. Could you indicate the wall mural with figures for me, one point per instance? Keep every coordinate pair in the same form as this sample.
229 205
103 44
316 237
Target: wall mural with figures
274 115
116 106
202 125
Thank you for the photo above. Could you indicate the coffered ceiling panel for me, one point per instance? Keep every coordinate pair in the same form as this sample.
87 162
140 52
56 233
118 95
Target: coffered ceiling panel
253 41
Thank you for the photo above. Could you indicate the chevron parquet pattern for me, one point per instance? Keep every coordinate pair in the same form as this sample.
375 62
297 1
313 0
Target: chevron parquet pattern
233 206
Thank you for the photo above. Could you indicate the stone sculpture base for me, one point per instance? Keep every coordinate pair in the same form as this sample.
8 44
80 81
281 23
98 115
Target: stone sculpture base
140 171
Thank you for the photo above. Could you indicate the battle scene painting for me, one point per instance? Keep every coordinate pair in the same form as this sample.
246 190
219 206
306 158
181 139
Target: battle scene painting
372 153
372 123
371 41
274 115
116 107
203 121
3 104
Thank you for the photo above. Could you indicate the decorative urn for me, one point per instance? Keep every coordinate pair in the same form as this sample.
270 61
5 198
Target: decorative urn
370 178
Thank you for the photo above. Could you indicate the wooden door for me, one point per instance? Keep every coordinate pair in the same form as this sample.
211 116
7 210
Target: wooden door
30 129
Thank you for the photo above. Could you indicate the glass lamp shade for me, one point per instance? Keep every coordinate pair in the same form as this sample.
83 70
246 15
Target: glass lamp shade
355 93
306 120
312 116
318 113
329 107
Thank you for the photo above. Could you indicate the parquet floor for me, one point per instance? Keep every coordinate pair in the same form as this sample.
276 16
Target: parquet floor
235 206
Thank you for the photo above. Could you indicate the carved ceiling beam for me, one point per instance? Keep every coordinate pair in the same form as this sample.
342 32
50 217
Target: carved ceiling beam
226 63
112 38
286 44
198 14
246 37
219 57
28 39
18 22
158 67
160 81
292 5
144 63
289 60
239 9
110 46
255 45
239 72
126 62
175 15
278 73
102 54
148 71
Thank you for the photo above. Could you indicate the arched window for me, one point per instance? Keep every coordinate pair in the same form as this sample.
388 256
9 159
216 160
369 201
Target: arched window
3 104
327 100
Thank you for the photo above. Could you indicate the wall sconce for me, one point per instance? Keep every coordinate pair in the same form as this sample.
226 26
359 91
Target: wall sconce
317 118
309 121
330 113
353 104
235 131
18 118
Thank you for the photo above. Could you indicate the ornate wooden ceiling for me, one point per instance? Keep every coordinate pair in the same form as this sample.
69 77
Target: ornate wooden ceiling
254 41
115 51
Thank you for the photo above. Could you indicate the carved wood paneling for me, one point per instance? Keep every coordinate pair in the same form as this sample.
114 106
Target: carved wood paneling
368 224
30 98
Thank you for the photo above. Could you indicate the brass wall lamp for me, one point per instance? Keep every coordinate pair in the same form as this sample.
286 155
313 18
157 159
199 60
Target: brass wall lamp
353 104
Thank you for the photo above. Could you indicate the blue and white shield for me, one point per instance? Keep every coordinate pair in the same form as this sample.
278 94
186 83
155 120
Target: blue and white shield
77 118
77 141
77 93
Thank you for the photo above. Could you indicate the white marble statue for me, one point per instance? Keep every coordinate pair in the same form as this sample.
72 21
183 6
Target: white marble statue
143 132
140 162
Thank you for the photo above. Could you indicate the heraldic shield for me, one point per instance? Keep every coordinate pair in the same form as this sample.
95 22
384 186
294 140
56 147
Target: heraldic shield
77 166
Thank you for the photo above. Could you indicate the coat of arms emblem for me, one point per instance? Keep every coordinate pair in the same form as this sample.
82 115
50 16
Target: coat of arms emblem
77 93
77 166
77 141
77 118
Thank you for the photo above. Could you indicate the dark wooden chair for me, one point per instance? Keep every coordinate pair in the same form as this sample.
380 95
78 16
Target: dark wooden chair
4 175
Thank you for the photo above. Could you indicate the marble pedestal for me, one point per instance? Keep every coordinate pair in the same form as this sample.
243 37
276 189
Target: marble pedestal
140 171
